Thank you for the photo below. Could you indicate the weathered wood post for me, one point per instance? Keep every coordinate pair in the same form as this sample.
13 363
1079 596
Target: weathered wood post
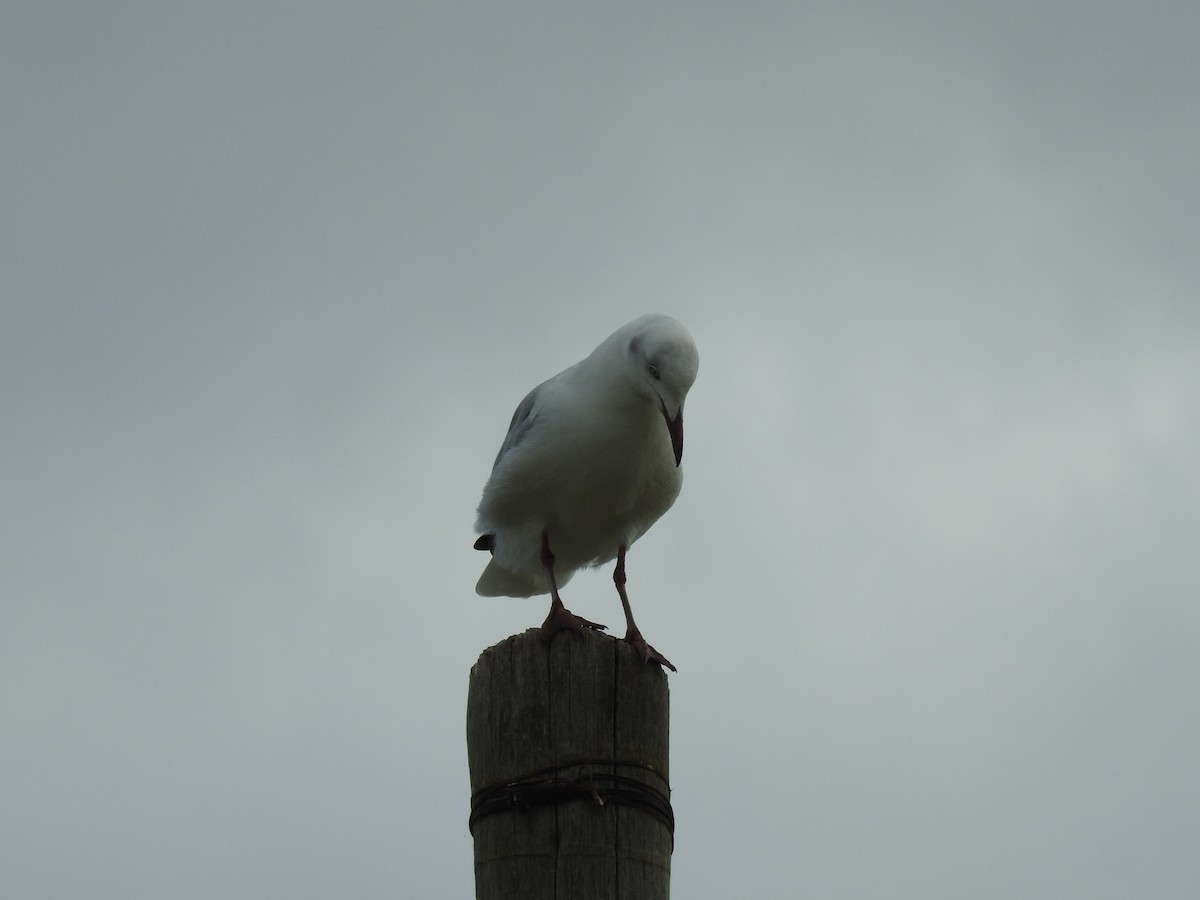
567 746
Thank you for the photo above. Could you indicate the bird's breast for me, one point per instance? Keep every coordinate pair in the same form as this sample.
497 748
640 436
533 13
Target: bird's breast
621 477
592 484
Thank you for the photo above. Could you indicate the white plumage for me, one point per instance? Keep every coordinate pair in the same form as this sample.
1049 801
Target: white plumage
590 462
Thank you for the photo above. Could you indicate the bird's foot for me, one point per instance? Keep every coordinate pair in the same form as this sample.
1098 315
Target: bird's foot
562 619
645 651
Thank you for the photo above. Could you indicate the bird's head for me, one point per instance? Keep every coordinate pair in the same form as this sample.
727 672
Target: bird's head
663 362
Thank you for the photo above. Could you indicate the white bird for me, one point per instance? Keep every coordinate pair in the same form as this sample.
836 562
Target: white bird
590 462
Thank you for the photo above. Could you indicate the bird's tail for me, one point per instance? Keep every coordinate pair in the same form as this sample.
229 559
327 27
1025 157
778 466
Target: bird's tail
497 581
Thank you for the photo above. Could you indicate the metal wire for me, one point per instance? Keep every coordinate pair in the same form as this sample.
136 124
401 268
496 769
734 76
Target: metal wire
545 787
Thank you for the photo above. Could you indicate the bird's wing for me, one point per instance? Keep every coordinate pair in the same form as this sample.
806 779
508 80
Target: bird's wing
522 421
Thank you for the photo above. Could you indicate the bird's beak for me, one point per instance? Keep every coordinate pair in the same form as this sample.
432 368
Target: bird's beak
675 429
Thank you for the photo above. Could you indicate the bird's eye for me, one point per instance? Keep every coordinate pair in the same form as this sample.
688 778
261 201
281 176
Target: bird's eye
653 370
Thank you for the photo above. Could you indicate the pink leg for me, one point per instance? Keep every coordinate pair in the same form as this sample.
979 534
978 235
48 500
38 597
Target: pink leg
560 618
632 635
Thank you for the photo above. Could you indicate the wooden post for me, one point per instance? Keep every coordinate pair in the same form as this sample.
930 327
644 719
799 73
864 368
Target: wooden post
567 746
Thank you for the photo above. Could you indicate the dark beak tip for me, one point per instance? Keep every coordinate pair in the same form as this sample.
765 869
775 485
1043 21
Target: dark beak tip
675 429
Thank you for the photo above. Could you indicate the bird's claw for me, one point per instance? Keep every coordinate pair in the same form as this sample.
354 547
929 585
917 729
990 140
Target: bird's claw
645 651
562 619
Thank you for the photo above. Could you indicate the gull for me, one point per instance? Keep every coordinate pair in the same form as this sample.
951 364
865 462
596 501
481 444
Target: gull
590 462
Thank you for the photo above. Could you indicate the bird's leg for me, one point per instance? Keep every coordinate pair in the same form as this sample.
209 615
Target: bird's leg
560 618
632 635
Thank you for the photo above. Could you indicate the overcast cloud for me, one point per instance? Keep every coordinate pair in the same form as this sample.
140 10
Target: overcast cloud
274 276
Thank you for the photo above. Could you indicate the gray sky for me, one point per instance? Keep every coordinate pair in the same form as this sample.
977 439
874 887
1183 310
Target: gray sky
274 276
